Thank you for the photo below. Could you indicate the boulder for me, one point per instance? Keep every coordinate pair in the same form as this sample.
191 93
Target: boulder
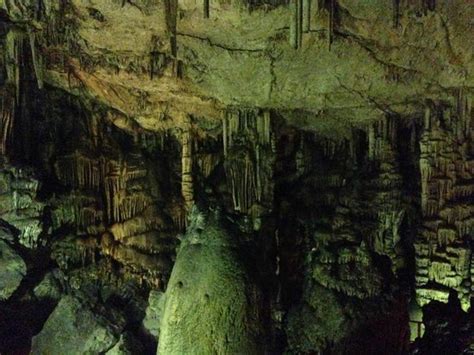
12 270
154 312
127 345
73 328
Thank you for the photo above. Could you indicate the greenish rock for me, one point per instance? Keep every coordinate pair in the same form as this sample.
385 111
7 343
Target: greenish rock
211 305
73 328
49 287
12 270
154 312
316 322
127 345
19 207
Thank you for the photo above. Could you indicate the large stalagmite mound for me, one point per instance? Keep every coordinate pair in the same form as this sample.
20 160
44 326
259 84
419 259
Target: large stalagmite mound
211 303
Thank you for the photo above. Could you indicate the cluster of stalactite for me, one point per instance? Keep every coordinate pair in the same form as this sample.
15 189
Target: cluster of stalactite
418 6
158 59
79 210
19 206
112 200
386 191
171 16
248 153
345 230
79 171
301 17
443 249
7 115
121 203
351 214
10 93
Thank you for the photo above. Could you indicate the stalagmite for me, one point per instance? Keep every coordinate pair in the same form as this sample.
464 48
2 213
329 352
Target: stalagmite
211 302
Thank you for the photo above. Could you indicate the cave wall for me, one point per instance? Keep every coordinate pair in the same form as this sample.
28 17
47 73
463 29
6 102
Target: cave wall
347 201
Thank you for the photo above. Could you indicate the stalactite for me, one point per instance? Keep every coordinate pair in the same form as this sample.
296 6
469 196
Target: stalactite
15 41
37 60
78 171
178 215
127 206
6 119
253 122
306 16
88 248
445 186
157 59
330 29
207 163
247 139
296 25
187 188
171 14
395 13
225 133
206 8
381 136
464 113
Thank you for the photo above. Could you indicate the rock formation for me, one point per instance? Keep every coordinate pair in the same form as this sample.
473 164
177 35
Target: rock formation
211 303
327 145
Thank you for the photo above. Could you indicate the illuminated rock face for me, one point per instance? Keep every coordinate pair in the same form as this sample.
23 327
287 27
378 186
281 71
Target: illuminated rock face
211 302
19 206
444 244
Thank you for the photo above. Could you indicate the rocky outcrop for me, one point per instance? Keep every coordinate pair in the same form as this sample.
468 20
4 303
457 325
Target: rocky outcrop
73 328
19 206
12 270
154 313
448 330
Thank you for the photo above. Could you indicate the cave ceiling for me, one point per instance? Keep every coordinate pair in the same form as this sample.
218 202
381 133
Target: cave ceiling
155 63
